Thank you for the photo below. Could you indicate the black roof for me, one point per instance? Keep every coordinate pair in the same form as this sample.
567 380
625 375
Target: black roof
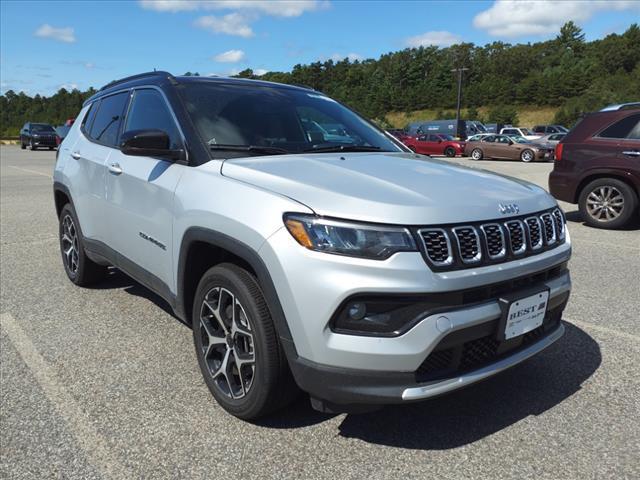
163 79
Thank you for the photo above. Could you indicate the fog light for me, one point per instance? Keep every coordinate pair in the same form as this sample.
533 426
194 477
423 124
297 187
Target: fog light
357 311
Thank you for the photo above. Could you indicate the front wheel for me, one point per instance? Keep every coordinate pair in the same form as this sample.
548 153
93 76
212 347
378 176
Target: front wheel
450 152
22 145
237 346
476 154
527 156
32 147
80 269
607 203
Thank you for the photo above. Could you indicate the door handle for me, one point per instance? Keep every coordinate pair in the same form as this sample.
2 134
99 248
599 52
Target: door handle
115 168
76 155
632 153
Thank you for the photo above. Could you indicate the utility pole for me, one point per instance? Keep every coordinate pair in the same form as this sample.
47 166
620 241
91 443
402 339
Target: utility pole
459 70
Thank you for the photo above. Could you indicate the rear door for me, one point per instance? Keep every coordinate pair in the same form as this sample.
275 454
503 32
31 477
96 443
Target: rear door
140 193
87 162
618 145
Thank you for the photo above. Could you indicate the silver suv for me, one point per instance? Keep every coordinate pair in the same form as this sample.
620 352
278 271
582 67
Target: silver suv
329 260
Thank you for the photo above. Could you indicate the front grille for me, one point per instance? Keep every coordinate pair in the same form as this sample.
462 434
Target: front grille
437 246
494 237
468 244
463 246
549 228
475 347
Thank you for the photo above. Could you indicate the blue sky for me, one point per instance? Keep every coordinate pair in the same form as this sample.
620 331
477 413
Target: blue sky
47 45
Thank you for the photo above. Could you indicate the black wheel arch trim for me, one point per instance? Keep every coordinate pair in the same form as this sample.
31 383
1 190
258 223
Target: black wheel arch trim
249 255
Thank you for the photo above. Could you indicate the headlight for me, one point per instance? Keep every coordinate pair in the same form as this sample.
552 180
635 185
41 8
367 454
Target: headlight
348 238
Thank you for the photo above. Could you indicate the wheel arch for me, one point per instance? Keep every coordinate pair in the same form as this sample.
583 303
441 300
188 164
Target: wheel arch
61 196
202 248
605 174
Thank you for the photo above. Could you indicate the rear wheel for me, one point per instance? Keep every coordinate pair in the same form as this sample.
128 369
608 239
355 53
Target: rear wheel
607 203
450 152
527 156
236 343
476 154
80 269
22 145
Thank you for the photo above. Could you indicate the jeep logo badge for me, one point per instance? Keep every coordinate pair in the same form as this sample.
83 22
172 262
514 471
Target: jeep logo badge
507 208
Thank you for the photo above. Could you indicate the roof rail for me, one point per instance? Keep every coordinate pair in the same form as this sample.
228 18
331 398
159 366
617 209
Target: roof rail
135 77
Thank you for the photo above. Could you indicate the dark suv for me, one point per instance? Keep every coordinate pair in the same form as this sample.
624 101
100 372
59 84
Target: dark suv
38 135
597 166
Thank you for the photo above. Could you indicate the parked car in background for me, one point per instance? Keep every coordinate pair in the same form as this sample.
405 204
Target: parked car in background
478 136
520 132
495 127
597 166
466 128
435 144
398 133
36 135
506 147
551 139
547 129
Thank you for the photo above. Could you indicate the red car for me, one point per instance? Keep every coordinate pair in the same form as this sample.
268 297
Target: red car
435 144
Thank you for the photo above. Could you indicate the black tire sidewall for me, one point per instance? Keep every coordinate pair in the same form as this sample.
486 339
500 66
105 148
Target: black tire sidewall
88 272
236 280
630 203
449 152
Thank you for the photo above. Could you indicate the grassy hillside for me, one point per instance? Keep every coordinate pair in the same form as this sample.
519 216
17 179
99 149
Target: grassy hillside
528 115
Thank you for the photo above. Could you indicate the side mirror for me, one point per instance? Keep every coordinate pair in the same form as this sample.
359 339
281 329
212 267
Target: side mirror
439 140
315 137
149 143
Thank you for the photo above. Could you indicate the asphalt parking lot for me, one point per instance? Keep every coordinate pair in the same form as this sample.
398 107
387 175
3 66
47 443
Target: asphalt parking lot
103 382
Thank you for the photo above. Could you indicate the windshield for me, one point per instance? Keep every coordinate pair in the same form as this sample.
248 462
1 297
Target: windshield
39 127
562 129
525 131
518 139
480 127
276 120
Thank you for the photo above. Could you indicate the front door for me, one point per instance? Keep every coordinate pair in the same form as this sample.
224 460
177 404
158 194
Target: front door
140 192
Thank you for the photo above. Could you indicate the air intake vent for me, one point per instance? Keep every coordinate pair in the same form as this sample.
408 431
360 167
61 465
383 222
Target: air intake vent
517 236
468 244
437 245
558 217
534 228
549 228
494 237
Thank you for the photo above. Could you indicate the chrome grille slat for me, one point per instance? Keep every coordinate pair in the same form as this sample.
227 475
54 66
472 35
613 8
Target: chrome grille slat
517 236
494 240
468 242
437 245
534 231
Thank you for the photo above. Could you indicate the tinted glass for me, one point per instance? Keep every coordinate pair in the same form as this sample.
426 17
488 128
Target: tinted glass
538 129
490 138
107 122
290 119
91 114
42 128
149 111
622 128
510 131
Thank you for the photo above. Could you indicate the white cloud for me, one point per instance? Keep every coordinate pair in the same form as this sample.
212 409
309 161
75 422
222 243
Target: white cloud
276 8
260 71
338 57
231 24
230 56
65 34
439 38
517 18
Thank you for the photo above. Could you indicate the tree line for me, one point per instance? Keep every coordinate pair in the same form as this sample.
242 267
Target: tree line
566 72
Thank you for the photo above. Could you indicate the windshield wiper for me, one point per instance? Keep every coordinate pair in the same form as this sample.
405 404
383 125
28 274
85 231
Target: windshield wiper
264 150
344 148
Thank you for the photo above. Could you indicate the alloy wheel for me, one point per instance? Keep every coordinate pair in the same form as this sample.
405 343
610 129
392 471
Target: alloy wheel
70 244
605 203
227 343
527 156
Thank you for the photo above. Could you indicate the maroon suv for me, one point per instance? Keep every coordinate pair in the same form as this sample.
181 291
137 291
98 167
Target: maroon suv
597 166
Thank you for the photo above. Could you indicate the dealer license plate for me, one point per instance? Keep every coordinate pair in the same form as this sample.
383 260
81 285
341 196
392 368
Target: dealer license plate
526 314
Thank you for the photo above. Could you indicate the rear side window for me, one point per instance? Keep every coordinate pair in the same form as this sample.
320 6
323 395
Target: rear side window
108 118
625 128
150 112
511 131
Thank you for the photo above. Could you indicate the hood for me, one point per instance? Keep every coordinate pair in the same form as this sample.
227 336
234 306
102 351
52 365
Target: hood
393 188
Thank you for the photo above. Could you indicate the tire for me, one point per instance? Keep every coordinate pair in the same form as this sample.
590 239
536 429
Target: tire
527 156
32 147
80 269
477 154
450 152
607 203
22 146
263 382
